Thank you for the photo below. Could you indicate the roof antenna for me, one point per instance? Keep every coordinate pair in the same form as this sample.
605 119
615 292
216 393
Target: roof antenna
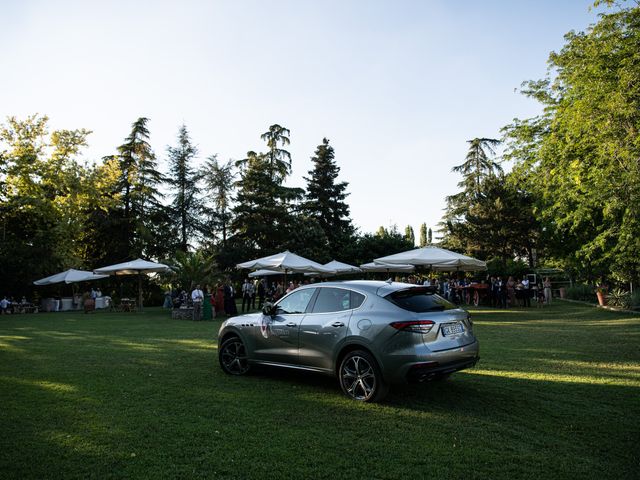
390 280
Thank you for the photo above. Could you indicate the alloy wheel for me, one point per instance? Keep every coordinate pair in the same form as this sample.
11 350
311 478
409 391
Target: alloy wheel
358 377
233 357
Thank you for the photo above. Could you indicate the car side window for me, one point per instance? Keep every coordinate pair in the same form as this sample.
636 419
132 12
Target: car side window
296 301
332 300
356 299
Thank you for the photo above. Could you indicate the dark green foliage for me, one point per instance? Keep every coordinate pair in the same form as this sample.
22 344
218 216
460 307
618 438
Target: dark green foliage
219 182
325 199
186 208
619 298
137 187
369 246
263 205
496 220
279 159
582 292
478 165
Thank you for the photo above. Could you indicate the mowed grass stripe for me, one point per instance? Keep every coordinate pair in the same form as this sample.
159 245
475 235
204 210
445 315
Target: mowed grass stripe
141 396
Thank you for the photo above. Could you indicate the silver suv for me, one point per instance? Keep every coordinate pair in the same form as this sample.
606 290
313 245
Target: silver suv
368 334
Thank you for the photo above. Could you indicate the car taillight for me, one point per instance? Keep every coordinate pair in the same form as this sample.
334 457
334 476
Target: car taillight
415 326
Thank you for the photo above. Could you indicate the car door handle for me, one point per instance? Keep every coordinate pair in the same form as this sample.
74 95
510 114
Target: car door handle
337 324
292 324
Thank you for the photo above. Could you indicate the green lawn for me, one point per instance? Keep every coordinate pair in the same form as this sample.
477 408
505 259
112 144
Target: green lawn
556 395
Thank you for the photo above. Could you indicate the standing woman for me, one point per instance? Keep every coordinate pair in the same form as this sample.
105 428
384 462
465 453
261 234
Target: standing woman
207 310
219 300
547 291
511 291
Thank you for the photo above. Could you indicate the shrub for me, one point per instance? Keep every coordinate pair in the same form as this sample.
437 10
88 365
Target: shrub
581 292
619 298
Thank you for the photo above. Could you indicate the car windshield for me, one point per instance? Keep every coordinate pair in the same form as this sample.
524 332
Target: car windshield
419 300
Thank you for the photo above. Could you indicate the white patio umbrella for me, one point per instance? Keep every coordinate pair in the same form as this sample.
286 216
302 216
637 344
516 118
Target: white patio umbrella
435 258
133 267
386 267
69 276
285 262
339 269
264 273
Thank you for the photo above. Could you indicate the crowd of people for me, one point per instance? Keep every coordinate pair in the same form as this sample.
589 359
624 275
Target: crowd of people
221 298
11 305
500 293
494 290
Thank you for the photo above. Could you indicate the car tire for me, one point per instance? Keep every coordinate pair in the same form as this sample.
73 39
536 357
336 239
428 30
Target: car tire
233 357
360 377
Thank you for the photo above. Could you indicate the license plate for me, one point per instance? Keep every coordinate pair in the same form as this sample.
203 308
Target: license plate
452 328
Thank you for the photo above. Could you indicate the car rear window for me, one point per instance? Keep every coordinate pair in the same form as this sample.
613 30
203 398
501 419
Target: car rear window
419 300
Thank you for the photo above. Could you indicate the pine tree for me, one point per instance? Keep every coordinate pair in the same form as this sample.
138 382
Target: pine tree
262 208
138 186
279 160
186 208
219 183
325 199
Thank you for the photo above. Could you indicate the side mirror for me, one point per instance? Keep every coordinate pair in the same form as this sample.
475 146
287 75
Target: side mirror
269 309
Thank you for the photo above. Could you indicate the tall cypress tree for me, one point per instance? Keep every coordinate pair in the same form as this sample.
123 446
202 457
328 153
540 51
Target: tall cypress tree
325 200
423 235
409 235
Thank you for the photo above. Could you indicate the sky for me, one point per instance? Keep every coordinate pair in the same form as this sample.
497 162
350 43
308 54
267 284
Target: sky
398 87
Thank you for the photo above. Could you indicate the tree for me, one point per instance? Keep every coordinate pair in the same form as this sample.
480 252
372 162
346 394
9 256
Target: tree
138 188
430 237
192 268
369 246
186 208
423 235
325 198
409 235
580 157
478 164
42 191
279 160
262 206
476 169
500 224
219 180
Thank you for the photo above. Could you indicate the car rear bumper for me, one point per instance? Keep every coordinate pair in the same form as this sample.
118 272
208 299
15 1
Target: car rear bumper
425 364
423 372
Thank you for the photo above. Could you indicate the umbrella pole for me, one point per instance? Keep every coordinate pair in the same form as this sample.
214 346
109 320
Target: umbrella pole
139 291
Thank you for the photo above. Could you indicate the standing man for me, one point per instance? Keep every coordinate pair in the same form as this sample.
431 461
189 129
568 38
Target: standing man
247 293
527 292
197 297
262 290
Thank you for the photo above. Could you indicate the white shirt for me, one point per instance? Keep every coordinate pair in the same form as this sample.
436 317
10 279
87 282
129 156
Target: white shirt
197 295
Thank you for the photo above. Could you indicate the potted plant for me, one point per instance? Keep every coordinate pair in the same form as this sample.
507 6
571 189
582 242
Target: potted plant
601 293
